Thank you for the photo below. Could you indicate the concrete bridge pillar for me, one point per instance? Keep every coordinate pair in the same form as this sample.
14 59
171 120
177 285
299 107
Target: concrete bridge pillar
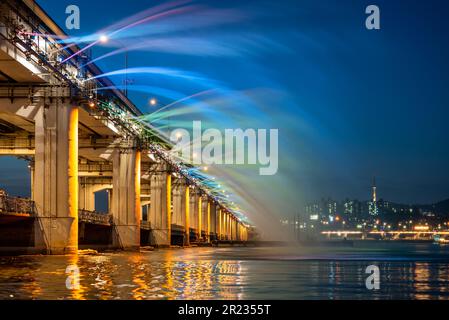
86 196
187 215
200 217
239 232
205 221
194 210
212 221
125 198
225 224
181 208
234 229
228 226
231 227
56 177
160 209
245 234
178 203
220 223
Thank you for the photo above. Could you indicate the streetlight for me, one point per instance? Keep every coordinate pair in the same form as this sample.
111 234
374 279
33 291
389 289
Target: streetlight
104 38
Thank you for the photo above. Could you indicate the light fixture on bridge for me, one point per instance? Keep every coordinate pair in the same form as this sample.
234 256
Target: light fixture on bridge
153 102
103 38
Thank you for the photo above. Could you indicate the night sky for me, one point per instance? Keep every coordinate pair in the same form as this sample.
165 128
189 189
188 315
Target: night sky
356 103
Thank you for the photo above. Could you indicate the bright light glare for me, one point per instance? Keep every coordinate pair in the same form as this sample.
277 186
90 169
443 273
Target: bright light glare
104 38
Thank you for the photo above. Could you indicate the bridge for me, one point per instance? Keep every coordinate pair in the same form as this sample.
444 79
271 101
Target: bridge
81 136
386 234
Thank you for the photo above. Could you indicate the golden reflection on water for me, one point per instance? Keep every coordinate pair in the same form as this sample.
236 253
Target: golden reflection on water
101 271
421 278
76 291
203 274
138 277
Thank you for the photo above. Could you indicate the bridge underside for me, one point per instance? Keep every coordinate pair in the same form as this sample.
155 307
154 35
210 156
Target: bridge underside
17 235
72 156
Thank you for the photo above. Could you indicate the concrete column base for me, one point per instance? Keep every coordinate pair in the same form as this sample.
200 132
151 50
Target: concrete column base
126 237
160 238
51 235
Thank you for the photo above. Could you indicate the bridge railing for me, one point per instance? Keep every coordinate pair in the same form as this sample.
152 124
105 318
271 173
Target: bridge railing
17 205
145 225
95 217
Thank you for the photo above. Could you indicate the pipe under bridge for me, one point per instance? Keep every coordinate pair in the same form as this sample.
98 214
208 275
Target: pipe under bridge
83 136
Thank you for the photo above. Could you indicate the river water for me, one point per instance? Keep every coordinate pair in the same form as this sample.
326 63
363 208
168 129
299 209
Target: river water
407 271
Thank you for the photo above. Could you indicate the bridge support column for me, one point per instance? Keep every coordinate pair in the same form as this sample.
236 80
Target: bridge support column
236 230
86 196
219 224
178 204
205 218
224 228
200 218
239 227
231 227
56 178
181 210
125 205
187 216
212 221
228 226
194 210
160 209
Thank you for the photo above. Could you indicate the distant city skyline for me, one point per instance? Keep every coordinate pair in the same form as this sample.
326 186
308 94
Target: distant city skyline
373 196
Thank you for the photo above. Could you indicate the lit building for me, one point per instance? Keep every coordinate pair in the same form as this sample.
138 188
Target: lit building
373 208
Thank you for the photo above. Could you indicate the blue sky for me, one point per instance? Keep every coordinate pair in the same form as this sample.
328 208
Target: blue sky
350 103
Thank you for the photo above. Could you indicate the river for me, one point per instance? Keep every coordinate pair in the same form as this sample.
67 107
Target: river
407 271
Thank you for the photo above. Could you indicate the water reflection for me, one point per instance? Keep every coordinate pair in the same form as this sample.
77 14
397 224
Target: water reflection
224 273
74 278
